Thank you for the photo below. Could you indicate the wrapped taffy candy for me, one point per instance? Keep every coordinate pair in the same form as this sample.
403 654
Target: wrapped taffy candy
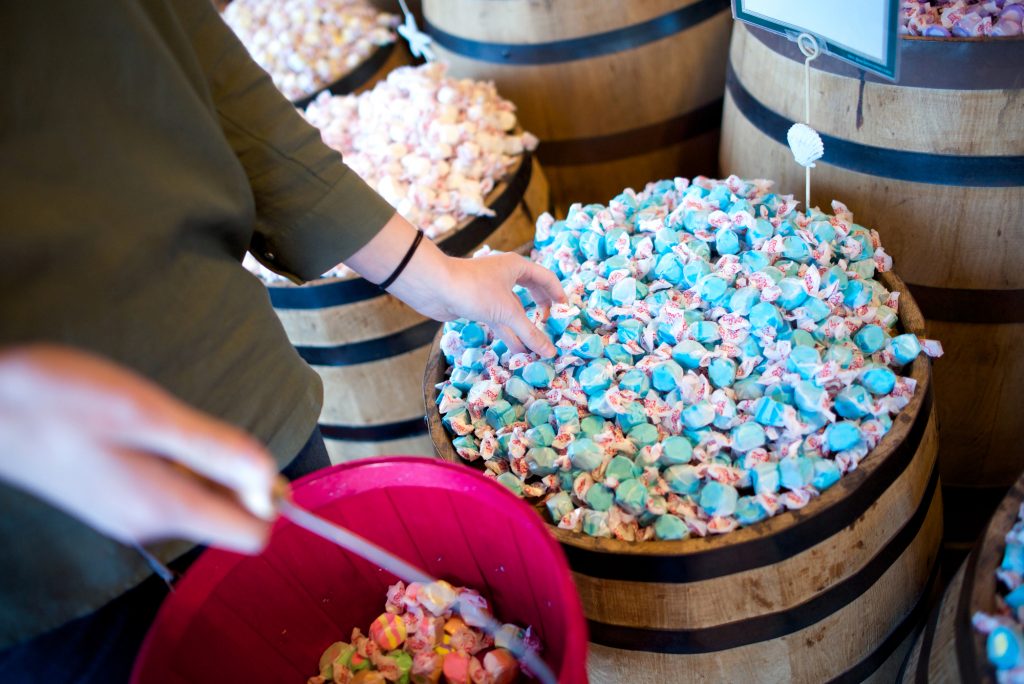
721 358
1005 630
418 639
433 146
961 18
305 45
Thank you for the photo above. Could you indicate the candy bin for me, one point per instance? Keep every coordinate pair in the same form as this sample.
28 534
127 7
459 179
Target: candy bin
933 164
735 444
268 618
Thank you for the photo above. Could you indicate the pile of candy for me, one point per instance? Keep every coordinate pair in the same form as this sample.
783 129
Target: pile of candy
721 358
419 639
306 45
432 146
962 18
1005 643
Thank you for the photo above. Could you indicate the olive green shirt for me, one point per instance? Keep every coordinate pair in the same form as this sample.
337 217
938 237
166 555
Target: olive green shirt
142 152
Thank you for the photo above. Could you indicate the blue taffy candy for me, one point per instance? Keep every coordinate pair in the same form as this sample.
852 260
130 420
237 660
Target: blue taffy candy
823 231
842 436
592 246
616 353
767 411
511 482
585 454
795 472
664 240
826 473
694 271
1005 647
675 450
599 497
669 268
464 378
856 294
590 347
878 380
688 353
593 425
817 310
500 414
804 360
795 248
753 262
631 495
905 348
624 292
1013 558
869 339
541 460
718 499
524 296
682 479
726 241
835 276
599 405
614 263
559 506
742 299
567 418
705 332
853 402
541 435
667 376
629 330
748 436
612 237
802 338
761 230
808 397
698 415
711 288
599 299
473 335
670 528
473 358
539 374
748 388
643 435
635 381
1015 599
765 478
765 315
749 511
631 416
539 413
621 468
518 389
793 294
722 372
596 376
664 334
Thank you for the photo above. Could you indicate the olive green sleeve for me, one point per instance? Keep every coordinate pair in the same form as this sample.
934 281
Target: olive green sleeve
313 211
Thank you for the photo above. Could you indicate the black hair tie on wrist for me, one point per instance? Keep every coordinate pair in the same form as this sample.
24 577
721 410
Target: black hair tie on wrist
405 262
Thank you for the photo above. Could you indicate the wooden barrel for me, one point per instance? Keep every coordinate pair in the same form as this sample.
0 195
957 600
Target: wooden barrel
949 650
375 68
369 348
935 163
831 592
618 93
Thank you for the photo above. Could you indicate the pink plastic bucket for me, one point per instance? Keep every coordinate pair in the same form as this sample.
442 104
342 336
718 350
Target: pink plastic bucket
268 618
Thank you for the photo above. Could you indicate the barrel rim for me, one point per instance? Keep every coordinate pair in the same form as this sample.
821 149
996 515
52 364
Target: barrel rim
743 546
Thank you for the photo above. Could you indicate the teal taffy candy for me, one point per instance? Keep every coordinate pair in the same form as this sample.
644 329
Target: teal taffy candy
878 380
795 472
718 499
614 263
664 240
808 397
599 405
761 230
541 436
705 332
595 524
629 330
669 268
682 479
869 339
853 402
631 496
1005 647
793 294
539 413
473 335
667 376
624 292
596 376
670 528
722 372
765 478
698 415
753 262
749 511
767 411
726 241
804 360
518 389
567 417
865 268
635 381
748 436
835 275
711 288
817 310
617 354
511 482
632 415
500 414
905 348
748 388
842 436
856 294
694 271
743 299
611 238
539 374
541 460
585 454
675 450
559 506
826 474
689 353
802 338
841 354
593 425
643 435
621 468
599 497
796 249
765 315
823 231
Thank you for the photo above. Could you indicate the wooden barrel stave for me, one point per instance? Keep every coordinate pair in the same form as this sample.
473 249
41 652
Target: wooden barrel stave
564 62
